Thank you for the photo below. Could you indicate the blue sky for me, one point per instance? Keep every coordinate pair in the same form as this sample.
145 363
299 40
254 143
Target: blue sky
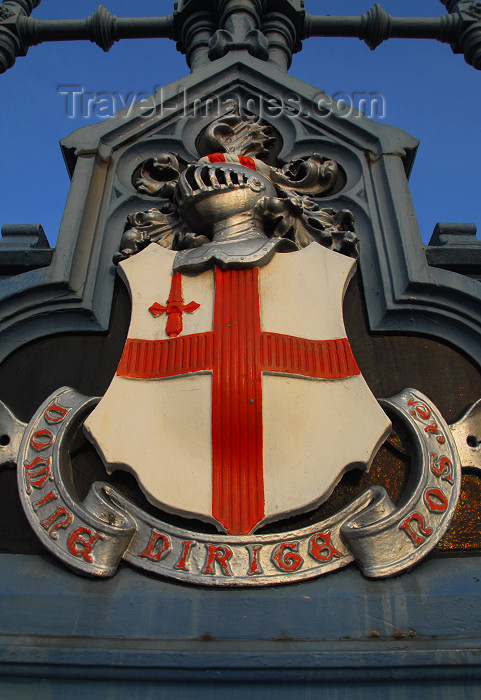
427 91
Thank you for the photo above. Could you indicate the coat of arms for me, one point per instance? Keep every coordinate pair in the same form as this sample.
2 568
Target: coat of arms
237 403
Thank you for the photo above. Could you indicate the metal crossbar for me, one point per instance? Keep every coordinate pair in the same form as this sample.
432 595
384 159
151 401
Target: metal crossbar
460 27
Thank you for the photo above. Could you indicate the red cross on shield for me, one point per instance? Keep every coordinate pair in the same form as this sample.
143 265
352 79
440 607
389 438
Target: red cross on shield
256 409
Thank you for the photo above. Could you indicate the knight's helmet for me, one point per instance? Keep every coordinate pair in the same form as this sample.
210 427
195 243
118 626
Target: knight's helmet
237 190
231 180
219 186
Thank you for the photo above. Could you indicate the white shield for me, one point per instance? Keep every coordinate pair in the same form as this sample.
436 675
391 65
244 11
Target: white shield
308 422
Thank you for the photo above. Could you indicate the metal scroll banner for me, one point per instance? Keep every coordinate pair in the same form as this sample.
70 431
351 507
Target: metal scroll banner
93 536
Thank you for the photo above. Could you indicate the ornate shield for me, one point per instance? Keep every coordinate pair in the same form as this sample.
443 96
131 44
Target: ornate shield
237 399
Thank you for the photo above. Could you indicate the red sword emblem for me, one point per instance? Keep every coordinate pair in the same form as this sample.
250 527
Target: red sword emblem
237 352
175 307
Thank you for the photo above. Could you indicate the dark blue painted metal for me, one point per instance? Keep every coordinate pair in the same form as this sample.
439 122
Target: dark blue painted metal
341 629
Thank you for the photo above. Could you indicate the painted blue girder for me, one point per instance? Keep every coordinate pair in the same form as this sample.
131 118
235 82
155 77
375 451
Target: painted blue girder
292 641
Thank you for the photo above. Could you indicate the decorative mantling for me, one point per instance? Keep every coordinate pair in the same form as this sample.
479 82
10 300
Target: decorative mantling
283 207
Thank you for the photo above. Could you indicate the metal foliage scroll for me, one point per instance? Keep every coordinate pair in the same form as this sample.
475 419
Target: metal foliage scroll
291 215
94 535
